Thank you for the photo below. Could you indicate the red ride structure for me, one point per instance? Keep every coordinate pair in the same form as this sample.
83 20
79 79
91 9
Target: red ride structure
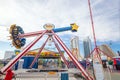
18 38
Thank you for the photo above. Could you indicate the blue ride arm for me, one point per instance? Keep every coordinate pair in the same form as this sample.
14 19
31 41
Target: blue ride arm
62 29
73 27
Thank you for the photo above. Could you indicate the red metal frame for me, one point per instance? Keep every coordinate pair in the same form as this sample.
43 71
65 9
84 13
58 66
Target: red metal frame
99 51
25 50
58 48
75 61
104 53
94 35
39 52
30 34
93 30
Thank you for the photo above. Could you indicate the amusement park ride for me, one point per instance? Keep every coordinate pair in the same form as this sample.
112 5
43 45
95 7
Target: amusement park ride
18 40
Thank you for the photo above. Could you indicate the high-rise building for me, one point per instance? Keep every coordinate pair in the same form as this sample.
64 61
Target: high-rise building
87 47
9 54
75 47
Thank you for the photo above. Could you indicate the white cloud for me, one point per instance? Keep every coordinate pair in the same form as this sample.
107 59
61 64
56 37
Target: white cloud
33 14
4 34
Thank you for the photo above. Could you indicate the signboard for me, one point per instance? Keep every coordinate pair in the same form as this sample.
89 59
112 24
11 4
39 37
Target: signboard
49 54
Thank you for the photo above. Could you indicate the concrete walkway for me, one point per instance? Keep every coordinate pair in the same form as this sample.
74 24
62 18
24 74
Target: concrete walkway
23 75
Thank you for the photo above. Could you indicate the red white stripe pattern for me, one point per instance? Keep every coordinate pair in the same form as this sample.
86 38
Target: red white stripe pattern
25 50
31 34
75 61
39 52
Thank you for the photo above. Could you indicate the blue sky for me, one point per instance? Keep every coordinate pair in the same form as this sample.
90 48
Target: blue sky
31 15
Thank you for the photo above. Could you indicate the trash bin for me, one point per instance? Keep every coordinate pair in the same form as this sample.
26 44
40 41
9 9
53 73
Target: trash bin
64 76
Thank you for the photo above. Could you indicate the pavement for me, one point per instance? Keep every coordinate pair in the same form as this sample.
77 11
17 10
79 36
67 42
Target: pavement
23 75
114 75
